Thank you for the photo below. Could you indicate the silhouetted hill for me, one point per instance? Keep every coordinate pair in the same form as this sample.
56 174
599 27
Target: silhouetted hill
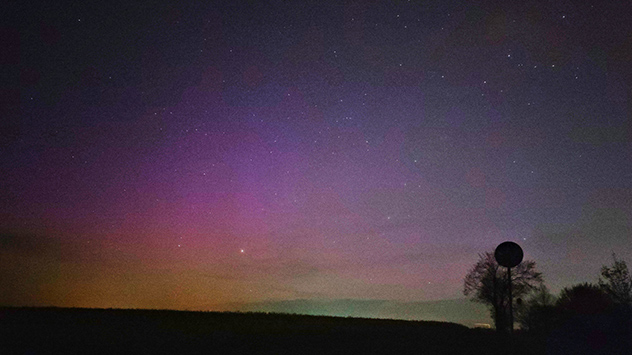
461 311
113 331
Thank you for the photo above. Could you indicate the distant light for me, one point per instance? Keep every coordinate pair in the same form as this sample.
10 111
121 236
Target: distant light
241 250
482 325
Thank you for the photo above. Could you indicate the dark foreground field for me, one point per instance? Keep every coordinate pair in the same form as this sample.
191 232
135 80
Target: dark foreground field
112 331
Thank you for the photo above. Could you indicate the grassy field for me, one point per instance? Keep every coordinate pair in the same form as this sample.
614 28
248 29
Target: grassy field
116 331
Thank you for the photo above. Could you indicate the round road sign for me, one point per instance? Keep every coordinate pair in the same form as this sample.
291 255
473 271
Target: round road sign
508 254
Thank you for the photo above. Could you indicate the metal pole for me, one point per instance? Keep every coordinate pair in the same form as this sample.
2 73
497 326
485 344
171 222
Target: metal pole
510 302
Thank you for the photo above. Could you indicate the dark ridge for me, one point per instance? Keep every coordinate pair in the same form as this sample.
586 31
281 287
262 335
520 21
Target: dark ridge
51 330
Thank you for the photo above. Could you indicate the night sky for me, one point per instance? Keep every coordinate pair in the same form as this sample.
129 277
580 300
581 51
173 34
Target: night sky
197 157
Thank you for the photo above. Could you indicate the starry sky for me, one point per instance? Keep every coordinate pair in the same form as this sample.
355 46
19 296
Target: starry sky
164 155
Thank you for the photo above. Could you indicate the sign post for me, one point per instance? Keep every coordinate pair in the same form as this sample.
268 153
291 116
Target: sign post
509 254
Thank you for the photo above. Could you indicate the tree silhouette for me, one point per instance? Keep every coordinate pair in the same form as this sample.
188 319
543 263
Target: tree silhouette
487 283
617 282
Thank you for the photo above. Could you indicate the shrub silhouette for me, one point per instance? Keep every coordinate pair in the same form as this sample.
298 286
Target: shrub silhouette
587 323
583 298
538 313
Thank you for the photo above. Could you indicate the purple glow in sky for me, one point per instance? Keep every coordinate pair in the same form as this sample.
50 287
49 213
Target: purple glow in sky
194 157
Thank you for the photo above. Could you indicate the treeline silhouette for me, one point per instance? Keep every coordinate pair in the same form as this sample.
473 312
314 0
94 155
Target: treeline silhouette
583 319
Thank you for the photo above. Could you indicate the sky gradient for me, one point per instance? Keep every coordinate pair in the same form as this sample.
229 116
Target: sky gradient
197 157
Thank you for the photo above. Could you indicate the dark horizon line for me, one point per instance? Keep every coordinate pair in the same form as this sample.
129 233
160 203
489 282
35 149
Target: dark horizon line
2 308
254 302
